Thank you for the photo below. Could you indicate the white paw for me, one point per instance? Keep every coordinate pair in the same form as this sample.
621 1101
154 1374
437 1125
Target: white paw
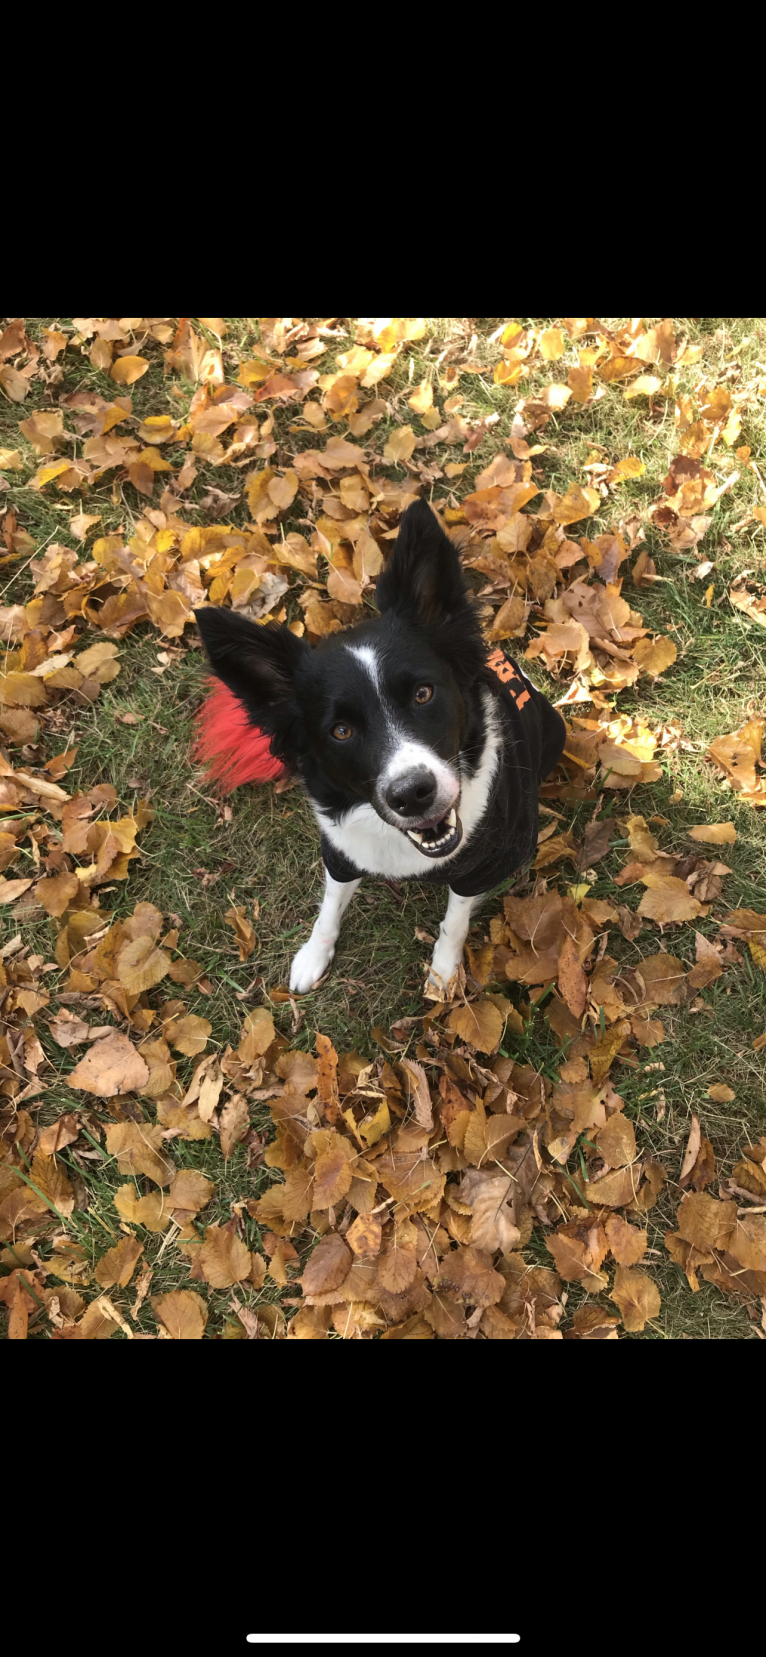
444 963
309 965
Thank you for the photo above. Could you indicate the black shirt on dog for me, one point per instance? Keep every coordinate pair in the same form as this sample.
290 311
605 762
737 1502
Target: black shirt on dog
533 735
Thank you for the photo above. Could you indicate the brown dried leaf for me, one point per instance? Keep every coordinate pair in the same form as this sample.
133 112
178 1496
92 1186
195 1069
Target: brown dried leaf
223 1259
243 929
119 1263
467 1276
617 1141
328 1266
112 1067
332 1178
138 1149
235 1122
190 1190
479 1024
637 1296
705 1222
364 1235
627 1243
182 1312
141 964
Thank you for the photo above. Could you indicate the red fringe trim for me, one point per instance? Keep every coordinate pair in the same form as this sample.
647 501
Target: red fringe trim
232 750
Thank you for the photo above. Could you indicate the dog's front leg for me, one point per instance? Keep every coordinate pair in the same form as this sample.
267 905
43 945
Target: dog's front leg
452 935
314 958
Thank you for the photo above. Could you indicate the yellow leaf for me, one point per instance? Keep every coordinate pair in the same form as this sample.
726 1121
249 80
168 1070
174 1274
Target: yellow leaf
257 1035
645 386
46 474
112 1066
119 1263
141 964
151 1211
580 382
508 373
223 1259
400 445
126 370
188 1035
190 1190
243 929
10 890
182 1313
552 344
422 398
576 503
479 1024
637 1296
714 834
722 1094
655 656
137 1147
630 467
668 899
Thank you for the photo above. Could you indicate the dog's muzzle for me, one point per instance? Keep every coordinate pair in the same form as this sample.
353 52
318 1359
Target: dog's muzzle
440 838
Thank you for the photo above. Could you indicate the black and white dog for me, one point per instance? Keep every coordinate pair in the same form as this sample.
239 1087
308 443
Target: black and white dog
420 753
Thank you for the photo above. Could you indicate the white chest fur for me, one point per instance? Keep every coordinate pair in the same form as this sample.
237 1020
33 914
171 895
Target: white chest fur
379 849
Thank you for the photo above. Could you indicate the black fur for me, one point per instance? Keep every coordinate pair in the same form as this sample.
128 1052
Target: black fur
428 632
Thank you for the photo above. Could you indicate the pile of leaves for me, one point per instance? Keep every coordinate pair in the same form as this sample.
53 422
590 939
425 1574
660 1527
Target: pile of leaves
405 1187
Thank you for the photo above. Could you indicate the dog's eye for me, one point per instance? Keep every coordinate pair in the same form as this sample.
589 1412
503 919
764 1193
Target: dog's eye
342 732
424 693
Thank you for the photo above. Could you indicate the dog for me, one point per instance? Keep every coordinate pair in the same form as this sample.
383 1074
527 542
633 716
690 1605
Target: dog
419 750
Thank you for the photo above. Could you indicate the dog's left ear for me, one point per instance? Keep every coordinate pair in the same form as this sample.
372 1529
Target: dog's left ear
257 663
423 579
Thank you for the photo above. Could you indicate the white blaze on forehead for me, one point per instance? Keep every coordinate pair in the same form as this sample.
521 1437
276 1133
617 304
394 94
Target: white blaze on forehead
366 655
404 755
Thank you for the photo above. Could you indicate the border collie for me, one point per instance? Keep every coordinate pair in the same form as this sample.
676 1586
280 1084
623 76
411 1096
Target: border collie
420 753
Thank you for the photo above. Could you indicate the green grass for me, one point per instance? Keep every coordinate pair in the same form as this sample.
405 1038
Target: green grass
269 849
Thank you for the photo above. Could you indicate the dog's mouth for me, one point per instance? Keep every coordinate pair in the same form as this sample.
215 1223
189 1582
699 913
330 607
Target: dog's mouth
436 837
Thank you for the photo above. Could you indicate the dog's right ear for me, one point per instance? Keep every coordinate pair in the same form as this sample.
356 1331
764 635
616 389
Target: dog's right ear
423 579
258 664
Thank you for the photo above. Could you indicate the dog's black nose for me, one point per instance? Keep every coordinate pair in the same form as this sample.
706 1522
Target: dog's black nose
413 793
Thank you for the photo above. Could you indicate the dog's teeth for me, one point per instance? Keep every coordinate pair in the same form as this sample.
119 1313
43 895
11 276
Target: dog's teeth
415 835
451 818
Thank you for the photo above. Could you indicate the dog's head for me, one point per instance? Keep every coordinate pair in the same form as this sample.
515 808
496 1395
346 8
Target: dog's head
386 713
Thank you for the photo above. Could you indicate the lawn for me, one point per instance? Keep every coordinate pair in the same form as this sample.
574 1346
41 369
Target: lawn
201 858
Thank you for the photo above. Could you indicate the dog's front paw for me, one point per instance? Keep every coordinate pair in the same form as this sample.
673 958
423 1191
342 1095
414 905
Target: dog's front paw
444 965
309 965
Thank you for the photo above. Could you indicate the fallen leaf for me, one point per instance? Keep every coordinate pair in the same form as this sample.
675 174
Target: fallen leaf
714 834
479 1024
141 964
492 1223
190 1190
668 899
138 1149
617 1141
400 445
692 1151
113 1066
126 370
119 1263
467 1276
243 929
327 1266
722 1094
182 1313
627 1243
637 1296
364 1235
